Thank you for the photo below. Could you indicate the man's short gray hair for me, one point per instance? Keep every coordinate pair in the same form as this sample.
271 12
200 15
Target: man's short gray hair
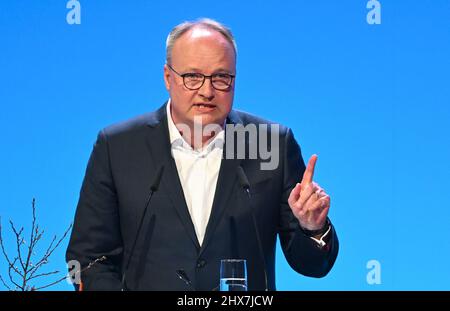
208 23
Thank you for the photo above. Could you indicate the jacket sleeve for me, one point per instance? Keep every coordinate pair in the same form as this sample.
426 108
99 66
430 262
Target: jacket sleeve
96 230
301 252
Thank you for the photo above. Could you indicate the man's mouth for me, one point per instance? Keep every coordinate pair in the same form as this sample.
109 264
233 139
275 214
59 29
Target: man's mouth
204 108
202 105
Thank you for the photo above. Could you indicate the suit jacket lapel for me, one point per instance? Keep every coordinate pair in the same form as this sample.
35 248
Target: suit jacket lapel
159 144
226 182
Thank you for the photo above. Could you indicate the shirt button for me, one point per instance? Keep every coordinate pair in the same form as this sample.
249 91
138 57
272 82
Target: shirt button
201 263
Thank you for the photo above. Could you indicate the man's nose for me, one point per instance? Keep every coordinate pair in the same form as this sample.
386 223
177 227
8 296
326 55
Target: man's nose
207 90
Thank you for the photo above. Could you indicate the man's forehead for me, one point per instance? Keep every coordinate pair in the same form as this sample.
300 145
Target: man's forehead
201 43
200 32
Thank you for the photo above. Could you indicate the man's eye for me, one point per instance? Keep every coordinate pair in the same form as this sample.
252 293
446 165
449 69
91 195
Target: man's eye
221 76
193 76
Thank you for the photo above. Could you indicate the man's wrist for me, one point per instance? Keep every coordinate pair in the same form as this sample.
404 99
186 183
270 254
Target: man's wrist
317 233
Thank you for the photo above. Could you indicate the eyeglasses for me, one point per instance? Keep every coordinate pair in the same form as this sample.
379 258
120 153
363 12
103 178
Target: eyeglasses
194 81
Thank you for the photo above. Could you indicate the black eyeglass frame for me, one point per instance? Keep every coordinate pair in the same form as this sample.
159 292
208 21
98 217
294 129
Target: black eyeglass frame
204 78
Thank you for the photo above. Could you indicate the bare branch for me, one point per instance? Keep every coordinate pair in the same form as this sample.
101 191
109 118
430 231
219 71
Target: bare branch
51 244
11 264
99 259
61 239
38 236
33 222
25 269
4 283
2 245
19 240
50 250
14 268
43 261
51 284
32 240
42 274
11 267
47 252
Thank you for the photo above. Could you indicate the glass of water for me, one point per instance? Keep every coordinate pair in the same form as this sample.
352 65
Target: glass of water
233 275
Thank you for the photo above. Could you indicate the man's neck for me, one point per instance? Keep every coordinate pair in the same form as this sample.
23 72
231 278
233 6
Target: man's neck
200 136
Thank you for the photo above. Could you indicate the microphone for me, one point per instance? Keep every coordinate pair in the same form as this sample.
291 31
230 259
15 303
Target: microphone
183 276
153 188
243 180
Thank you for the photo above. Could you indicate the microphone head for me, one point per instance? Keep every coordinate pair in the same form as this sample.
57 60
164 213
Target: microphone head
157 180
243 180
183 276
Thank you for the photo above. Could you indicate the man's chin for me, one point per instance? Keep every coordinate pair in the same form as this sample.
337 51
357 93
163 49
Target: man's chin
207 120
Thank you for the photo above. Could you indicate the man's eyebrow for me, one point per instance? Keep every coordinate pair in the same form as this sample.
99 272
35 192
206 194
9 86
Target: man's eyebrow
222 70
192 69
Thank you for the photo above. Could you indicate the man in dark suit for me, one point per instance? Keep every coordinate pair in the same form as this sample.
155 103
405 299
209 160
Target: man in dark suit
201 212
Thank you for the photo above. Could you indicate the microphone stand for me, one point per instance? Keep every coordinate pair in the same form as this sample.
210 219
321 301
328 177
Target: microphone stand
153 189
246 187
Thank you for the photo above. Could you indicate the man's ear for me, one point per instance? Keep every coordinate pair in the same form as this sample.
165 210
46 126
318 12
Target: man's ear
167 77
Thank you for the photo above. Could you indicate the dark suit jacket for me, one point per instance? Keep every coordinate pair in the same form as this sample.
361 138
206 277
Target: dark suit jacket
121 168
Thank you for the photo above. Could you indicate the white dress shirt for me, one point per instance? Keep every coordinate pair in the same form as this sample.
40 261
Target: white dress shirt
198 171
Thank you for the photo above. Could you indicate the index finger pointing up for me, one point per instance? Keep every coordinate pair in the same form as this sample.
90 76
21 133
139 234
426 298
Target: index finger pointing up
309 172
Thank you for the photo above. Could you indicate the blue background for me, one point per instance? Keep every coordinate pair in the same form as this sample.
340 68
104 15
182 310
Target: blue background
371 100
